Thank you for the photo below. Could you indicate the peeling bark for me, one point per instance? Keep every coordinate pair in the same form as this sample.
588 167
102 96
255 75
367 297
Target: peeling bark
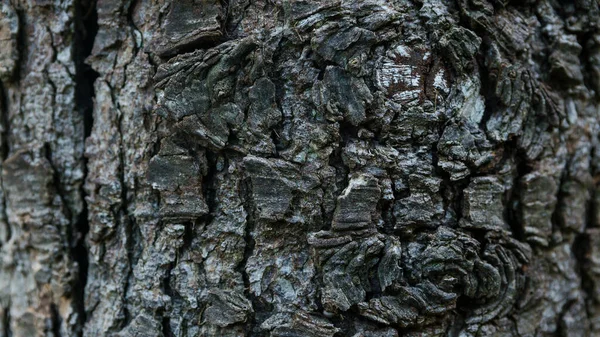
299 168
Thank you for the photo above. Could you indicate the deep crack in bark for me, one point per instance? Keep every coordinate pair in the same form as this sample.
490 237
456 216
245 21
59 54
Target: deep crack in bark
86 22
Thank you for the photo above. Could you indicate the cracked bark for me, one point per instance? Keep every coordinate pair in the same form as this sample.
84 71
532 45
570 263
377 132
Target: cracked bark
299 168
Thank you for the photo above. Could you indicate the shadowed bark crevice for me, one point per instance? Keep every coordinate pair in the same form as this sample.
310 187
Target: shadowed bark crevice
6 322
56 321
4 150
249 242
86 23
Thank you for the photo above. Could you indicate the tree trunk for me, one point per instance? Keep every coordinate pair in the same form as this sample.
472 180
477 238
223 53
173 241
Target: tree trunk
300 168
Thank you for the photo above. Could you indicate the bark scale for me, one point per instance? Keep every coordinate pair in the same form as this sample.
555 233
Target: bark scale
299 168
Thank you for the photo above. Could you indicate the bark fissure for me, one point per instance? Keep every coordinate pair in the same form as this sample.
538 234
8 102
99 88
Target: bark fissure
4 150
87 26
4 123
6 321
55 321
249 244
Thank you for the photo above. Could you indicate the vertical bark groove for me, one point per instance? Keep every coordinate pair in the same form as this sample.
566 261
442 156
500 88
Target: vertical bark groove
86 28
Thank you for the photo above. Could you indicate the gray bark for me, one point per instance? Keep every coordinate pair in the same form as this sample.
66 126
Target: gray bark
299 168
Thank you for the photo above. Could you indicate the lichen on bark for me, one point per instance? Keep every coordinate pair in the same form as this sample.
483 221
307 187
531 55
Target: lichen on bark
299 168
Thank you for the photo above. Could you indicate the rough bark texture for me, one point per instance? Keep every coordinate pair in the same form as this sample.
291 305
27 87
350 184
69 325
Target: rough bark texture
300 168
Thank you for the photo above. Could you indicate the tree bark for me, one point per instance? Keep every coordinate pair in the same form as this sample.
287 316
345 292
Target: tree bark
299 168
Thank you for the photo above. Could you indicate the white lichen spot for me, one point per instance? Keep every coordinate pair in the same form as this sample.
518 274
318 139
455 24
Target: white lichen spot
571 111
403 51
386 75
473 105
160 96
400 74
355 182
426 56
439 82
406 96
64 56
